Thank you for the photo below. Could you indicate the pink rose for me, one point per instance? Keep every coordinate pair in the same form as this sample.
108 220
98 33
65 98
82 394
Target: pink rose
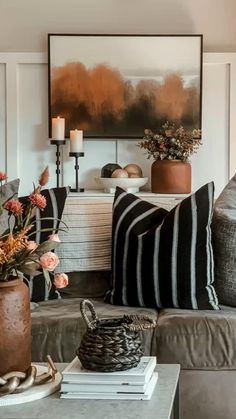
54 238
61 280
49 261
32 245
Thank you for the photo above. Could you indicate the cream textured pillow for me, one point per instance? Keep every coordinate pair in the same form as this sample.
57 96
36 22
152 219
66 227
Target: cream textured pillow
6 192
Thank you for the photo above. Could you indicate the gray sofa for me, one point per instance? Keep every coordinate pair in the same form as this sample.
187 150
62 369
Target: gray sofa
203 342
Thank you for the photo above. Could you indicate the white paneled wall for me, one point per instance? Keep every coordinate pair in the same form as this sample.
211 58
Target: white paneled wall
211 161
25 149
2 117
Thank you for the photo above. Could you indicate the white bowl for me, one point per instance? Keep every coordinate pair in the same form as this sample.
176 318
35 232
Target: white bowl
131 185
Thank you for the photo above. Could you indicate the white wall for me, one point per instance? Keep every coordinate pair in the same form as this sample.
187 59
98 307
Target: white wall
25 23
25 148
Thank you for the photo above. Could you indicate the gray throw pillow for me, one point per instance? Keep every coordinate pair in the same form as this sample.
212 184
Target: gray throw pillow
87 284
6 192
224 244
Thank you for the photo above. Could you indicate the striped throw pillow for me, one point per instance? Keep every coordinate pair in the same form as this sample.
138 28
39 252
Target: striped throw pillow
163 259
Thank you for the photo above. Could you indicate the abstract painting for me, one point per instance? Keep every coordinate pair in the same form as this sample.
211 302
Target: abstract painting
116 86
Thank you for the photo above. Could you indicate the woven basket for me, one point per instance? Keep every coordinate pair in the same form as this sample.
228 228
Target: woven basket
111 344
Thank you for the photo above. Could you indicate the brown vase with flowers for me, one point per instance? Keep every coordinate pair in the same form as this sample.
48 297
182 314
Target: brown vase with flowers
171 148
19 256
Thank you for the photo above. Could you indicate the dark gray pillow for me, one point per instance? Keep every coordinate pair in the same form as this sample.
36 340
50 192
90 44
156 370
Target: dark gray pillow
224 244
89 284
6 192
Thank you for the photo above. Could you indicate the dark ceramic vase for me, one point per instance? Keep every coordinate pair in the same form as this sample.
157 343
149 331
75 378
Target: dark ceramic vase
15 326
171 177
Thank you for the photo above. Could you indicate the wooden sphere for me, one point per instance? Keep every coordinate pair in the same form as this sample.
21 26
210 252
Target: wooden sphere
120 173
133 169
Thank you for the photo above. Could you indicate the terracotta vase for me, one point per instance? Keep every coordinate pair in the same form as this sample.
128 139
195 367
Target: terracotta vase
15 326
171 176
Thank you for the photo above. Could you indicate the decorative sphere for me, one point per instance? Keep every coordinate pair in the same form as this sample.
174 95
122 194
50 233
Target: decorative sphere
108 169
134 175
133 169
120 173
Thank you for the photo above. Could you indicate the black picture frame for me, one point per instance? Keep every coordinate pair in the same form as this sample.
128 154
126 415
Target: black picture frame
122 131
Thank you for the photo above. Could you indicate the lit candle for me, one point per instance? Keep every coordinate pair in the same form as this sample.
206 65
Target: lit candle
58 128
76 141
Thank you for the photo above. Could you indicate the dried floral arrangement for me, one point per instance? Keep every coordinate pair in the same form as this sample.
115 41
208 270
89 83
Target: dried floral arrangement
172 142
19 254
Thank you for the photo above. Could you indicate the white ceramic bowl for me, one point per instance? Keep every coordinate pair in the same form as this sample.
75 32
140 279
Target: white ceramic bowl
131 185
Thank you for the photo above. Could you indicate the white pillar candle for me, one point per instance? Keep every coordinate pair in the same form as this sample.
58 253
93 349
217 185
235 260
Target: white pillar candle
76 141
58 128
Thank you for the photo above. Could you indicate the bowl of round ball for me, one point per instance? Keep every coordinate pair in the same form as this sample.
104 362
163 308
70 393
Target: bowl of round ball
129 184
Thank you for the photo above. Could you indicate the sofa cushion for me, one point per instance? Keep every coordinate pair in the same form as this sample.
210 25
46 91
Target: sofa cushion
196 339
224 244
57 327
163 259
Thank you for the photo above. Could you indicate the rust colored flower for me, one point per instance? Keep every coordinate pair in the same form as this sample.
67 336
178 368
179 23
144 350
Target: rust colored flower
38 200
13 206
43 178
3 176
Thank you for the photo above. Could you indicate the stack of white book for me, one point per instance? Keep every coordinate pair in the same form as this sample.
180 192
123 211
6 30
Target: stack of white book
134 384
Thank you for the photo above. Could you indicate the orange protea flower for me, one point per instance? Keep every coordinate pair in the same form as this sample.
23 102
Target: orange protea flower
38 200
2 256
13 206
3 176
12 244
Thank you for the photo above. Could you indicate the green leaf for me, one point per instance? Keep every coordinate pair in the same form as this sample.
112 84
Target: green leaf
29 270
46 247
50 218
42 230
47 279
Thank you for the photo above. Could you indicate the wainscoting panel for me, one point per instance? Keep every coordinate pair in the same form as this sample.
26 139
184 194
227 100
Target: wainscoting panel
35 151
211 161
2 117
24 124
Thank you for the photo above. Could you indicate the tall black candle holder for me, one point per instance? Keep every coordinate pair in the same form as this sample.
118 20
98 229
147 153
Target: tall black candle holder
58 143
76 156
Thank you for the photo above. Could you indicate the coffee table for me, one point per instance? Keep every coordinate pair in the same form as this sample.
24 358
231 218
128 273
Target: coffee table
164 403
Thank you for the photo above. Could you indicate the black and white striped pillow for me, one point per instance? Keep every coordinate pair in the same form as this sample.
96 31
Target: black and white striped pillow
163 259
55 204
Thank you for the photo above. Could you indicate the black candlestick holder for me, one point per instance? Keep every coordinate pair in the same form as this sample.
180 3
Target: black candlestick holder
76 156
58 143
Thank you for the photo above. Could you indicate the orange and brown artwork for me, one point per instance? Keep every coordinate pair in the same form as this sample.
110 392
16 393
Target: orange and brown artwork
109 100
